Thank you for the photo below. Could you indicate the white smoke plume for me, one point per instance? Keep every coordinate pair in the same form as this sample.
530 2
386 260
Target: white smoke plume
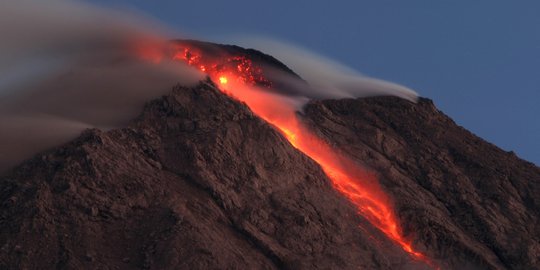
327 78
67 65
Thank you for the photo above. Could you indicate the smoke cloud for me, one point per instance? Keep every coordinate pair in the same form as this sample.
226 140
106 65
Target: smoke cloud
66 66
326 78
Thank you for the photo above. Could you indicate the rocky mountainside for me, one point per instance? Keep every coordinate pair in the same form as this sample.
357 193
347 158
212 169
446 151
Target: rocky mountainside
471 203
198 181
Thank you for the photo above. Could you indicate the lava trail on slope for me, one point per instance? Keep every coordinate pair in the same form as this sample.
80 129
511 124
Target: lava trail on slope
243 79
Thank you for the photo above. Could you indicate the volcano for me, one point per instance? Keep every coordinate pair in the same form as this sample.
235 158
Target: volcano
203 178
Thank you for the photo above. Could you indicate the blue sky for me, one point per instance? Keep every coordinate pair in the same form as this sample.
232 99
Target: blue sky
478 60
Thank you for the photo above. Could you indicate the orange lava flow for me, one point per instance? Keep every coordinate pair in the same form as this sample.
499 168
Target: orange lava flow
238 77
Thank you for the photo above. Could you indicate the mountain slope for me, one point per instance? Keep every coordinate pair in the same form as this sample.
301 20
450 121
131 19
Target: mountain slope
196 182
465 199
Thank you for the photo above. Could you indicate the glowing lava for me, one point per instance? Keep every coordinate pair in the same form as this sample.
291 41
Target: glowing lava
221 67
223 80
238 78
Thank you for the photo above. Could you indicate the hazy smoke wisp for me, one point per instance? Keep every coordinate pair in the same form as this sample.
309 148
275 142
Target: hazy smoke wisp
326 78
66 66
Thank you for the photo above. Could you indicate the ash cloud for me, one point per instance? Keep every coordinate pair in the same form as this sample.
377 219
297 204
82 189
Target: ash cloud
66 66
326 78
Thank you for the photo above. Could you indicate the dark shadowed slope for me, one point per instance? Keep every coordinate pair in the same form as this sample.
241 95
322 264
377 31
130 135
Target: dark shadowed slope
196 182
467 201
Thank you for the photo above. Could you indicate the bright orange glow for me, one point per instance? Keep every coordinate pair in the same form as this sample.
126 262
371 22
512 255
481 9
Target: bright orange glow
356 184
240 68
223 80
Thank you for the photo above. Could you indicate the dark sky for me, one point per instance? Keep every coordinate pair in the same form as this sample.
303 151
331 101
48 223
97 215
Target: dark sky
478 60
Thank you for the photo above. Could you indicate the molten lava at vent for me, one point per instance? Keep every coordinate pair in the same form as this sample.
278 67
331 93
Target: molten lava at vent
238 77
220 67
